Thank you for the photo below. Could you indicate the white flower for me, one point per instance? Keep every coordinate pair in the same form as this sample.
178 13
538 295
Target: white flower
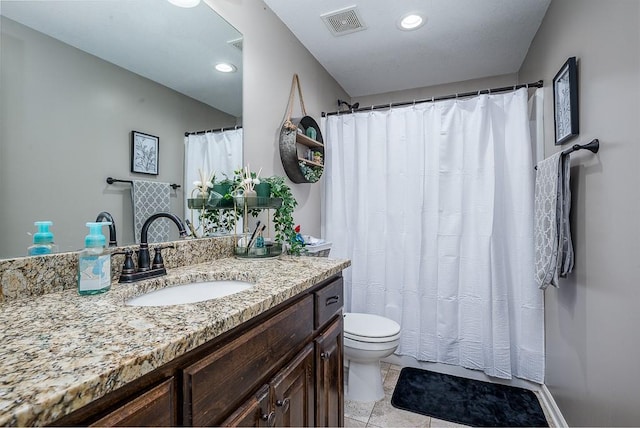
247 181
256 181
209 184
197 183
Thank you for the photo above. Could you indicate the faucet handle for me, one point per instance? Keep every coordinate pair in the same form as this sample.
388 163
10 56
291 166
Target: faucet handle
158 263
128 266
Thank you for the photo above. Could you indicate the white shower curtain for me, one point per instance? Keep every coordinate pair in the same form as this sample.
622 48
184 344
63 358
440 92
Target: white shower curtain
433 203
213 151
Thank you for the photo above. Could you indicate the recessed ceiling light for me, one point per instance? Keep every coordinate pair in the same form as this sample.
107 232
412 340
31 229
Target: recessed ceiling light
224 67
185 3
411 21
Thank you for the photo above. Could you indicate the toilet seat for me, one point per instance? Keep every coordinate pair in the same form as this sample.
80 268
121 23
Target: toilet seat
370 328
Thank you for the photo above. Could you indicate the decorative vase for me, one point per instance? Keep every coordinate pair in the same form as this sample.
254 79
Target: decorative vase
223 189
311 133
263 190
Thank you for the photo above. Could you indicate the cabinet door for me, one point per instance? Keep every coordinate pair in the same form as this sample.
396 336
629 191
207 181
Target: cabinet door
156 407
255 412
214 386
329 376
293 391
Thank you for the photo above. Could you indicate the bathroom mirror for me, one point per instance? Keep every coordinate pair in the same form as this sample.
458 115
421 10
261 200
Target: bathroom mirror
78 77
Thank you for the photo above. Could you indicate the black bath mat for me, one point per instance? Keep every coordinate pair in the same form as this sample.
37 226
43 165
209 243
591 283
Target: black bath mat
466 401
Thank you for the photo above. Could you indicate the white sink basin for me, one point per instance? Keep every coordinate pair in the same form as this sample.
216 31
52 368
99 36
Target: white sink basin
190 293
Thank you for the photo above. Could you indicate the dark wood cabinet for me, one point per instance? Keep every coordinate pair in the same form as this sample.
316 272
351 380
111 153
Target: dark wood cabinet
294 392
155 407
329 376
280 368
218 383
288 399
255 412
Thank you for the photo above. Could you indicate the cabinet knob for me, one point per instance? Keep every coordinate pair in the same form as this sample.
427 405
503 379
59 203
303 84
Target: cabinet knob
284 404
270 418
325 355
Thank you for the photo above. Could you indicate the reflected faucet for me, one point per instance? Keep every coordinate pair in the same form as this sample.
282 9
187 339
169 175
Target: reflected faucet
105 216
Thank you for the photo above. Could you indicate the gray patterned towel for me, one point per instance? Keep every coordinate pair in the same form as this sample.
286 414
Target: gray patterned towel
150 197
554 249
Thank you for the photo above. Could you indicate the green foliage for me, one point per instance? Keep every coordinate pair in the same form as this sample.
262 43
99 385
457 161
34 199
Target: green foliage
223 220
311 173
283 216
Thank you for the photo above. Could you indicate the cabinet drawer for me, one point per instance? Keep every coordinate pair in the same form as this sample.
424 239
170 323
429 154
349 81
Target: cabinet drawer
328 301
218 383
156 407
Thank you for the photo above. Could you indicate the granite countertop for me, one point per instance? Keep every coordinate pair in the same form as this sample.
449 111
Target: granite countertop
60 351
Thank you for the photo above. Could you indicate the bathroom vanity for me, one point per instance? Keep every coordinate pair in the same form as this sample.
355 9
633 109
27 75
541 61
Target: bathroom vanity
267 356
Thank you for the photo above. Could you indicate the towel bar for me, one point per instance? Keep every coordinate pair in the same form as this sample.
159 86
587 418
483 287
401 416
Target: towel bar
593 147
111 180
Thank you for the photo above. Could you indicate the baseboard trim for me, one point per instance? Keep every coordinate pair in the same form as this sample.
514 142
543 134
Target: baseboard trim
555 414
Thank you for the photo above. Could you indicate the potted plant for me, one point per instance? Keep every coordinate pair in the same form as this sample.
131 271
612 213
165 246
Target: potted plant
224 188
317 157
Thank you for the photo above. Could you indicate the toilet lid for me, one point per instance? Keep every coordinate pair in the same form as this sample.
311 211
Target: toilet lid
368 326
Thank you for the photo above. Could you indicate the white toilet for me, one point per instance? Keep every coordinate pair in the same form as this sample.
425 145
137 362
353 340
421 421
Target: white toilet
367 339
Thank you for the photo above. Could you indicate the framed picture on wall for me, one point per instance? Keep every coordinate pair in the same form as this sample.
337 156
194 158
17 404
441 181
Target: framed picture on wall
144 153
565 102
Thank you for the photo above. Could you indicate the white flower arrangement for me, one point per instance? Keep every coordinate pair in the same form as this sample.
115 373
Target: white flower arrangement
248 179
203 185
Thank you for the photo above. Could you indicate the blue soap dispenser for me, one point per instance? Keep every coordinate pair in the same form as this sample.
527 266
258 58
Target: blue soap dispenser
42 240
94 265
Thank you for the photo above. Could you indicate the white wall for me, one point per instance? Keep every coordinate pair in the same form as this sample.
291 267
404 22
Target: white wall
592 320
271 55
66 123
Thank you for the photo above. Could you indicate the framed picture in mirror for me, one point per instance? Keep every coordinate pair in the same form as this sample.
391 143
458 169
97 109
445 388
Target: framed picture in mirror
565 102
144 153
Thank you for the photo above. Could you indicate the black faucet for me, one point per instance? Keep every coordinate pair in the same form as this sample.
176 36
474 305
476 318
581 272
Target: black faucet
105 216
144 261
145 268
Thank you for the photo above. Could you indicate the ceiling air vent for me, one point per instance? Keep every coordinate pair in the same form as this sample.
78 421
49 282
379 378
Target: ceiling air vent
344 21
237 43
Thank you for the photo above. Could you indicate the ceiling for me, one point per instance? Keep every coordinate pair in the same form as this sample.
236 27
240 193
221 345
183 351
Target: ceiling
461 40
176 47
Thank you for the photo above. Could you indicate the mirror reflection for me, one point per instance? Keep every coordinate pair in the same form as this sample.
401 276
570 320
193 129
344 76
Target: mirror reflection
77 78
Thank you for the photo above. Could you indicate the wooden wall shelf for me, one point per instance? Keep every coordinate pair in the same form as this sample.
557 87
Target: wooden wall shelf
290 150
306 141
308 162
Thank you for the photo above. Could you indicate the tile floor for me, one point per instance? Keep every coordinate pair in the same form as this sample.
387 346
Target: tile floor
382 414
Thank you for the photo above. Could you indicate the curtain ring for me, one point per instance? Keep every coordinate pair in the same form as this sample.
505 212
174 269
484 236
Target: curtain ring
433 99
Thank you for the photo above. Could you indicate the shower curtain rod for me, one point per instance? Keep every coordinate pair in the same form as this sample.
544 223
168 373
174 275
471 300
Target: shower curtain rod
228 128
537 84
